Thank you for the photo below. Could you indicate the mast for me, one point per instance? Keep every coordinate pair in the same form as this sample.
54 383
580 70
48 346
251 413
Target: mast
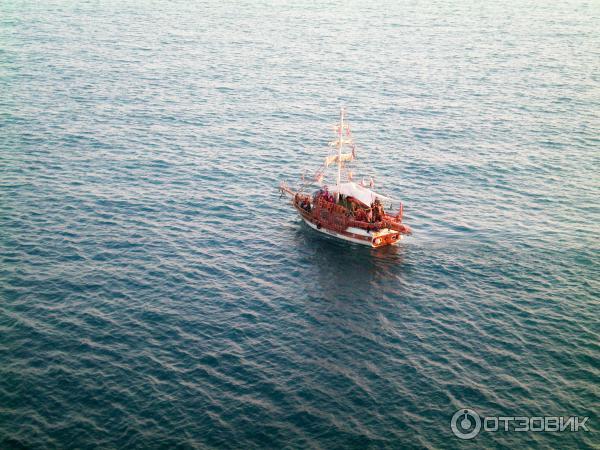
339 158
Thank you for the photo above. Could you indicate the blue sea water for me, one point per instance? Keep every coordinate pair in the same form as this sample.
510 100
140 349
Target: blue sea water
157 293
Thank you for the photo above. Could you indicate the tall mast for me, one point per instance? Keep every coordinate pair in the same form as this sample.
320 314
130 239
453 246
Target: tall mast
340 144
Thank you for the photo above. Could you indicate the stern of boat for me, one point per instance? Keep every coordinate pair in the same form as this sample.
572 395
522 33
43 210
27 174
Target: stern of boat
385 237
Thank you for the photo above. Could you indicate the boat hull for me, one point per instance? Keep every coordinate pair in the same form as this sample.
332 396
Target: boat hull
379 239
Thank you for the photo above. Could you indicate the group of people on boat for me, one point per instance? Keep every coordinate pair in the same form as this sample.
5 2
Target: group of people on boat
325 195
305 205
373 214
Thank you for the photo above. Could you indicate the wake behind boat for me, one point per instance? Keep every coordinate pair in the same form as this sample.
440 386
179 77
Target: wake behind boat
347 210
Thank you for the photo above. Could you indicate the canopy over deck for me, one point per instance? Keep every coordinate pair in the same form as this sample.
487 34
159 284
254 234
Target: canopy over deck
361 193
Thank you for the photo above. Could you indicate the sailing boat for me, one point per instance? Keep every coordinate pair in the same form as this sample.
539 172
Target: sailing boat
347 210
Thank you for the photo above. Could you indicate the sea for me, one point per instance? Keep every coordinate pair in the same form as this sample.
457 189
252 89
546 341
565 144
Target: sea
156 292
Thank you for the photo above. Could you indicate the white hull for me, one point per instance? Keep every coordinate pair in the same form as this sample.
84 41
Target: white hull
343 237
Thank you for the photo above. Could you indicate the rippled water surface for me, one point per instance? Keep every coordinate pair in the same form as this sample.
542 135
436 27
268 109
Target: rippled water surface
157 293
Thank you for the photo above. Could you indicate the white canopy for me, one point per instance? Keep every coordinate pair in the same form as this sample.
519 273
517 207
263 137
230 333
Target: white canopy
359 192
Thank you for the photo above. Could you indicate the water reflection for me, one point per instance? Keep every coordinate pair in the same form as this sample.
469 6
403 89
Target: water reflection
343 270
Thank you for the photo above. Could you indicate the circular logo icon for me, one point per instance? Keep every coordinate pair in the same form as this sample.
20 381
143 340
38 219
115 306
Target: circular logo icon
465 423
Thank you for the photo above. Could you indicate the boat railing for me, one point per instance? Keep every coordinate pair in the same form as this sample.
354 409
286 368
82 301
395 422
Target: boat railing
339 218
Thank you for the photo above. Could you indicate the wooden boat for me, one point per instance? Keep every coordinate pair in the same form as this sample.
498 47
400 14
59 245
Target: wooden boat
347 210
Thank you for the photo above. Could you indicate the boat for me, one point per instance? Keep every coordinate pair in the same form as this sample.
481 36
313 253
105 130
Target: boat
347 210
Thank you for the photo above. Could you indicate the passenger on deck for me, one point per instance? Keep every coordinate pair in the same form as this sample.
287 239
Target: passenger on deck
305 204
352 208
377 210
